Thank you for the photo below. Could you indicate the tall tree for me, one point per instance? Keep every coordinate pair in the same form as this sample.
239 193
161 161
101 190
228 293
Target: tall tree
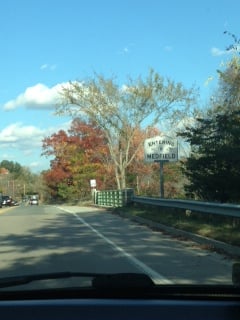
13 167
228 97
120 111
78 156
17 180
213 167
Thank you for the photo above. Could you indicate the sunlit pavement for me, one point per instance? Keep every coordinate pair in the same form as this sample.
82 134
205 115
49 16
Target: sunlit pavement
43 239
5 209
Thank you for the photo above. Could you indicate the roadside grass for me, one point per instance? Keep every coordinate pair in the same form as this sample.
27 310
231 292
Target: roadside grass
220 228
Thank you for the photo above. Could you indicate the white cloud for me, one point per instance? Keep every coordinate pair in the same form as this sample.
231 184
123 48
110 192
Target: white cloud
26 138
124 51
209 79
23 143
218 52
36 97
18 135
47 66
127 49
44 66
34 164
4 156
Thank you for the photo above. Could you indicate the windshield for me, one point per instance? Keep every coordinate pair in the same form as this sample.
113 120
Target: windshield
119 140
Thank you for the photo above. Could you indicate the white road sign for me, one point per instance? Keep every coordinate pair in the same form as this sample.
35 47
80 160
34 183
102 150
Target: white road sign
160 148
93 183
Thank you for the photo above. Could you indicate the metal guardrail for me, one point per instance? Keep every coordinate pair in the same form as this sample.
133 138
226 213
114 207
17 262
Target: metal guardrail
230 210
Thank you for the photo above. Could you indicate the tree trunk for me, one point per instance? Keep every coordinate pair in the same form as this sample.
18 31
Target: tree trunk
117 178
123 178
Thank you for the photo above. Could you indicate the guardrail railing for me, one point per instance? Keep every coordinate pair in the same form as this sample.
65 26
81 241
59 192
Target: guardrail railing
230 210
120 198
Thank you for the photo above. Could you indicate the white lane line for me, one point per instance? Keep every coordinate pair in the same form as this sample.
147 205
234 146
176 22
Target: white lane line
155 276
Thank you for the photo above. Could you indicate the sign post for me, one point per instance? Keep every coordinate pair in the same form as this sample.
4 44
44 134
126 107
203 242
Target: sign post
161 149
161 180
93 185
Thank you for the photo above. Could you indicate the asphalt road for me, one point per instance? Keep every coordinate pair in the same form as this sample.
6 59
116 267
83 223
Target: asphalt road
40 239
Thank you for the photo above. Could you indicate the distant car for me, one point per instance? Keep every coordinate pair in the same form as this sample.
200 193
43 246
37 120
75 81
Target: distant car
33 201
7 201
15 203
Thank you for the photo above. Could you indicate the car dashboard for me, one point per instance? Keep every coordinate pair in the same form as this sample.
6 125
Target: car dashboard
168 303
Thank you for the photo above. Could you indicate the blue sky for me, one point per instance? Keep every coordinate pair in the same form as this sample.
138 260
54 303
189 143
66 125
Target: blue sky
46 43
